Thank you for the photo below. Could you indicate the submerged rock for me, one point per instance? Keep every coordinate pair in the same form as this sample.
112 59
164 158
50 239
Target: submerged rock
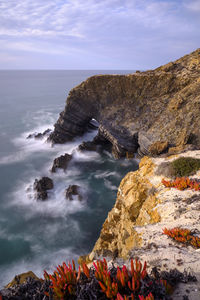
145 111
41 187
73 190
97 144
39 135
87 146
61 162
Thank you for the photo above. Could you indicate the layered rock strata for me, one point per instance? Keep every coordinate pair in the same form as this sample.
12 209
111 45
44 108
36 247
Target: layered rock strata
149 111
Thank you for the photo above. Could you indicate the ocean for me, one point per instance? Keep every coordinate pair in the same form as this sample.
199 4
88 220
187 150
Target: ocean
36 235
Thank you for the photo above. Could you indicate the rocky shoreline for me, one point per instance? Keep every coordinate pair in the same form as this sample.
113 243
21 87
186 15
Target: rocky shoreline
147 112
153 113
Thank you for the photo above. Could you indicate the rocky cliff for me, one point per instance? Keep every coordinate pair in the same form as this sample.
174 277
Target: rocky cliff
143 208
152 111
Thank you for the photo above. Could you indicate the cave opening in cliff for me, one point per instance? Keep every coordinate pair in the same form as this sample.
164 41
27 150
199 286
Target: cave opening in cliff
93 124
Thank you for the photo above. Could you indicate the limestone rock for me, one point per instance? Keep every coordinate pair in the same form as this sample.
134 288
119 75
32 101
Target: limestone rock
61 162
118 233
158 148
144 207
21 278
144 111
42 186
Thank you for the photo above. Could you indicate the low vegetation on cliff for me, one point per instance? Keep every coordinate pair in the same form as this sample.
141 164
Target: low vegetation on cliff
182 183
180 167
103 282
183 235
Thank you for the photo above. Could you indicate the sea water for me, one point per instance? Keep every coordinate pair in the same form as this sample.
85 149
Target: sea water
37 235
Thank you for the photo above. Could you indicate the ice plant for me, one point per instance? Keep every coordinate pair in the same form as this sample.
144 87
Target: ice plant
168 288
124 279
119 297
149 297
182 183
183 235
122 284
64 280
109 287
86 270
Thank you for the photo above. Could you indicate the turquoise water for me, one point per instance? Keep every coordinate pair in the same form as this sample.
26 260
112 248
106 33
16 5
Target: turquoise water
38 235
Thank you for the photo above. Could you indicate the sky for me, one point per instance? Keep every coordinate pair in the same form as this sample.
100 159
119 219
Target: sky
96 34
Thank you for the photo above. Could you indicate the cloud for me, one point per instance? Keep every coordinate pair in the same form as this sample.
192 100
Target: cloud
193 5
128 33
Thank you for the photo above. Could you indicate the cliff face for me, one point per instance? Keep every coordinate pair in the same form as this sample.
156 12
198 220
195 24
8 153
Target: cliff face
148 111
143 208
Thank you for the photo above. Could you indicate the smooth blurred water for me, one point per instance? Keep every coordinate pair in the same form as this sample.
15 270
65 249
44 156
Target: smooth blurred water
38 235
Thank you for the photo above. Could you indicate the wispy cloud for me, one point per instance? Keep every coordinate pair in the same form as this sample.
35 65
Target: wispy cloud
193 5
124 34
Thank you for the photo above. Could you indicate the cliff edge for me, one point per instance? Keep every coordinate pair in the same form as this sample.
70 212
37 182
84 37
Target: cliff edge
143 208
150 112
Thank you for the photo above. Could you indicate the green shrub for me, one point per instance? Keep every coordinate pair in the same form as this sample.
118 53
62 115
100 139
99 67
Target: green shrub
185 166
181 167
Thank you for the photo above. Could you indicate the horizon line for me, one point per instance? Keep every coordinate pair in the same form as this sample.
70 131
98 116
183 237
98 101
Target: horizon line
68 69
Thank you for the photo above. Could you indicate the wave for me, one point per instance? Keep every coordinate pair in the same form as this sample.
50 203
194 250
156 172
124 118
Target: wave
56 205
104 174
45 260
27 147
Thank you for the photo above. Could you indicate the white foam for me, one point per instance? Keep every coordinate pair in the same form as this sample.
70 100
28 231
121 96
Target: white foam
55 206
109 185
87 156
40 118
26 147
44 260
105 174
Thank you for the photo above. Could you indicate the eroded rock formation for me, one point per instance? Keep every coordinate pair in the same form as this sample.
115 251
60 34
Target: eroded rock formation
150 111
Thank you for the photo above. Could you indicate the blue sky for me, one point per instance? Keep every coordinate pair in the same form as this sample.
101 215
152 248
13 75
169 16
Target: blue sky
96 34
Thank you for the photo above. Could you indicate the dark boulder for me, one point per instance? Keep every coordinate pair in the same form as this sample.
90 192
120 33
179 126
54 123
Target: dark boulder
87 146
100 139
41 187
99 142
61 162
39 135
118 152
73 190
